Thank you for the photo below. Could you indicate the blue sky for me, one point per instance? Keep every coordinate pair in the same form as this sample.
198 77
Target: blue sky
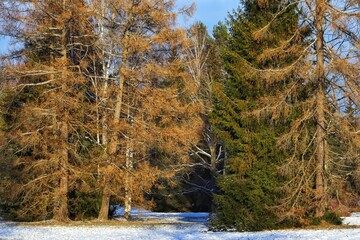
209 12
3 45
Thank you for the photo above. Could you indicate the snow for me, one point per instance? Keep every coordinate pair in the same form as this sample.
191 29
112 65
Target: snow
178 217
162 232
353 220
182 226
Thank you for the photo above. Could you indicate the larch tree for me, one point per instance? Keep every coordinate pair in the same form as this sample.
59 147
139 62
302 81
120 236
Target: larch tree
323 140
146 113
100 93
45 113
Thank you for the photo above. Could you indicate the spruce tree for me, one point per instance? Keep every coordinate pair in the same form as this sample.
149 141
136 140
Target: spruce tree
250 188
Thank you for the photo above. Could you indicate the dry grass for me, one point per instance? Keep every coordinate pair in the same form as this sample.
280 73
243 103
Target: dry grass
96 223
325 226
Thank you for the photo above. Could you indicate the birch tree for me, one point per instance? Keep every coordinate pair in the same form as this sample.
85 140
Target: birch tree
205 67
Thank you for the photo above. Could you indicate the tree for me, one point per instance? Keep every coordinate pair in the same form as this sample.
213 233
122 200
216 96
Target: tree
250 189
204 66
327 70
102 100
146 115
44 115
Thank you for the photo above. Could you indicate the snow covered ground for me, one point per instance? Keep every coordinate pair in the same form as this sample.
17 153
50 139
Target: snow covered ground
181 217
163 232
187 226
354 219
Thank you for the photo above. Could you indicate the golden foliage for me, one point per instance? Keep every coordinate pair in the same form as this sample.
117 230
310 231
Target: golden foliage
318 89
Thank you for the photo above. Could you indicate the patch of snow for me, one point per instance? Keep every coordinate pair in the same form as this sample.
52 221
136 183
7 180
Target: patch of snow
162 232
119 211
355 214
164 217
353 220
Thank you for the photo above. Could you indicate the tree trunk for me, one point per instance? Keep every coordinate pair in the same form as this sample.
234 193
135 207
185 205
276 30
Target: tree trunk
128 180
112 147
213 171
320 155
105 204
61 212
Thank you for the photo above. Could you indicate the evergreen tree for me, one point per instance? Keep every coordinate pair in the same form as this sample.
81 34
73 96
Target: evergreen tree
322 139
250 188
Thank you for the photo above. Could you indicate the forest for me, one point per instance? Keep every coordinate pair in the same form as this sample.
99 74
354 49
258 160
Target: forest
113 102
